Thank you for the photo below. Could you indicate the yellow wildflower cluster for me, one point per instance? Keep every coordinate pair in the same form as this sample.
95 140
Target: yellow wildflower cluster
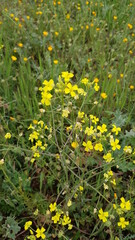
45 92
59 216
36 137
39 233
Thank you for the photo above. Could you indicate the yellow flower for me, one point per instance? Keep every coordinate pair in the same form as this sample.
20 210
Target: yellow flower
131 87
122 223
89 131
16 19
25 59
52 207
70 226
108 157
39 13
96 87
115 17
45 34
113 181
12 15
50 48
56 33
125 205
80 114
68 16
66 220
67 76
94 119
130 51
121 75
85 81
71 29
27 225
20 45
94 13
125 40
130 26
103 215
81 188
74 144
65 112
96 80
55 61
115 144
8 135
40 233
71 89
88 146
49 85
13 58
103 95
127 149
102 128
98 147
56 217
33 136
36 154
115 129
69 203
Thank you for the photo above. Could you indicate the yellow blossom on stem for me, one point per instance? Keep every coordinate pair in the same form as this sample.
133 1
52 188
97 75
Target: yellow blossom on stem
103 95
122 223
56 217
71 89
115 129
102 128
98 147
27 225
103 215
115 144
85 81
52 207
115 17
127 149
96 87
50 48
66 220
55 61
88 146
89 131
74 144
8 135
108 157
40 233
14 58
65 112
130 26
125 205
45 34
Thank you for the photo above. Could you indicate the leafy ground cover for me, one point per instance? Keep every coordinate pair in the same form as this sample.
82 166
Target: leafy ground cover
67 122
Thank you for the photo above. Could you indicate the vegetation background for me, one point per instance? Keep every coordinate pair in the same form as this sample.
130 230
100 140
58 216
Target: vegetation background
67 119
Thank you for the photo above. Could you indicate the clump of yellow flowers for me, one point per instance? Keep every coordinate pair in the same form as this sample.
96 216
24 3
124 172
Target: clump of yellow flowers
87 134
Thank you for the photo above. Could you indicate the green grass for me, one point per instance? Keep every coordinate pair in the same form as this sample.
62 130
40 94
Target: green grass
93 40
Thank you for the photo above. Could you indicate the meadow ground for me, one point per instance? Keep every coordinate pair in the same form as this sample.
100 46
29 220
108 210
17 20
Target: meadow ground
67 119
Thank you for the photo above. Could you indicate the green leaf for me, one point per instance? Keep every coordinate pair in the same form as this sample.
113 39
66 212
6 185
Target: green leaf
11 228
